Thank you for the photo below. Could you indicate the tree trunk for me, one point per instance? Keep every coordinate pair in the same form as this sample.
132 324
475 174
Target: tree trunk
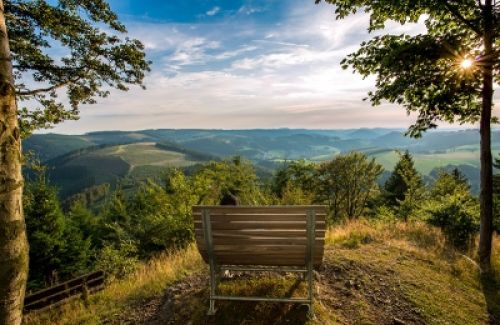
486 195
13 243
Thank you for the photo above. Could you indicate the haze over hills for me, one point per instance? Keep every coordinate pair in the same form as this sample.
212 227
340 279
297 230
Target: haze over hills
81 161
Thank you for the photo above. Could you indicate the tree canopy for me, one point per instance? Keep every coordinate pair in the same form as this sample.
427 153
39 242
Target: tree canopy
424 72
396 187
67 54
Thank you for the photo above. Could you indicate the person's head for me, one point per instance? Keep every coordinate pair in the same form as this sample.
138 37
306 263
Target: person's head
228 198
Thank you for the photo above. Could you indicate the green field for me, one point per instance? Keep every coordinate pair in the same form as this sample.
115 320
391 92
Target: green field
427 162
146 154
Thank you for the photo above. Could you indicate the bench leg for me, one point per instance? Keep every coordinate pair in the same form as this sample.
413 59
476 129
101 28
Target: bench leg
311 230
211 309
213 285
310 311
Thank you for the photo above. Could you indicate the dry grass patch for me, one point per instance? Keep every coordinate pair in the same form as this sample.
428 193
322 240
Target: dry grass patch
444 285
150 280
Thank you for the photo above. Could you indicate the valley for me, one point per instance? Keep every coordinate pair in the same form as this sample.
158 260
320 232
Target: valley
77 162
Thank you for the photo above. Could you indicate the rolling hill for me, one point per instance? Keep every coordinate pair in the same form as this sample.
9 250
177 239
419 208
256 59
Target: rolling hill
84 168
80 161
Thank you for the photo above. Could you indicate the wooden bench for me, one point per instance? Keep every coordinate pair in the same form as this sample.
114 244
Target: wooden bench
260 238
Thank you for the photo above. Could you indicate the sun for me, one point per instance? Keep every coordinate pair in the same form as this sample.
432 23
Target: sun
466 64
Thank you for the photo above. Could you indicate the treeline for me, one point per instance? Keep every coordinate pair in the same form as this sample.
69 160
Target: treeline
348 185
192 154
64 158
157 216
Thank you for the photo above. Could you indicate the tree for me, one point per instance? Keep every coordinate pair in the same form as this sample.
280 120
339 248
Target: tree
94 59
445 74
58 248
413 195
496 197
452 208
235 176
295 174
449 183
13 243
291 194
398 184
84 220
347 182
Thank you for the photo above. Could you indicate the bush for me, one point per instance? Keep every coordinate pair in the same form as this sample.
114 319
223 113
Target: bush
118 262
458 216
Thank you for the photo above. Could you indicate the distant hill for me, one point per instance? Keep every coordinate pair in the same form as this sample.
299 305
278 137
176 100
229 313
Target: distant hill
48 146
107 156
364 134
86 167
395 139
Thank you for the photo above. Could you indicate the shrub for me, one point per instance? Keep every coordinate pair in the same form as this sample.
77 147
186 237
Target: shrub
118 262
458 216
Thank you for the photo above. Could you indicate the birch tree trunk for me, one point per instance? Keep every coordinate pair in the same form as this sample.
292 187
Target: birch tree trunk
13 243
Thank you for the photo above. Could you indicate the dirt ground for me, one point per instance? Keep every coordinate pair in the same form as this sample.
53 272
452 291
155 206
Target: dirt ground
346 293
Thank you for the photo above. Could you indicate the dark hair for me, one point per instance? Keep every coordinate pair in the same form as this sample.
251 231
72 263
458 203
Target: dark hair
229 199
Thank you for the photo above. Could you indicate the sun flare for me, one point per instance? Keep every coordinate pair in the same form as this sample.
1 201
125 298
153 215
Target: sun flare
466 64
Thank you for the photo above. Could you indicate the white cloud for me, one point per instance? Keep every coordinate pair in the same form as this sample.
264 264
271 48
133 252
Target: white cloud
213 11
223 75
231 54
248 10
192 51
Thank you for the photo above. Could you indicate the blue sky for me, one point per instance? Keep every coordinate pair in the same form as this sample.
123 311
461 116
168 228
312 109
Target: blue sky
242 64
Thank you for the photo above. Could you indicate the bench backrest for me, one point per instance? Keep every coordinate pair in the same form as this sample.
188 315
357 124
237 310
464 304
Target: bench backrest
260 235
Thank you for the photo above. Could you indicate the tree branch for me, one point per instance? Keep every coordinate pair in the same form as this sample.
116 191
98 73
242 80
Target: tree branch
43 90
459 16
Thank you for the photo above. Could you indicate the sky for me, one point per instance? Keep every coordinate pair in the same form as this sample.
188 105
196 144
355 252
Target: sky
239 64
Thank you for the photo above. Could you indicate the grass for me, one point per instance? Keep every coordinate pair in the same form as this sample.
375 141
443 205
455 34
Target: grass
424 163
442 283
150 280
146 153
372 273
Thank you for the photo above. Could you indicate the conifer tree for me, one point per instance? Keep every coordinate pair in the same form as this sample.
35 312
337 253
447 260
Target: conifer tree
58 248
397 185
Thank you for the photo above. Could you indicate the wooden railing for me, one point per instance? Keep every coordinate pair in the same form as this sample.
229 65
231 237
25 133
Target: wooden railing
58 294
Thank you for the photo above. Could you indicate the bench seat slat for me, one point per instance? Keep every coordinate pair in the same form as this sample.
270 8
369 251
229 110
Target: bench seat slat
261 248
282 249
259 225
258 241
264 260
271 255
257 217
259 233
291 209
